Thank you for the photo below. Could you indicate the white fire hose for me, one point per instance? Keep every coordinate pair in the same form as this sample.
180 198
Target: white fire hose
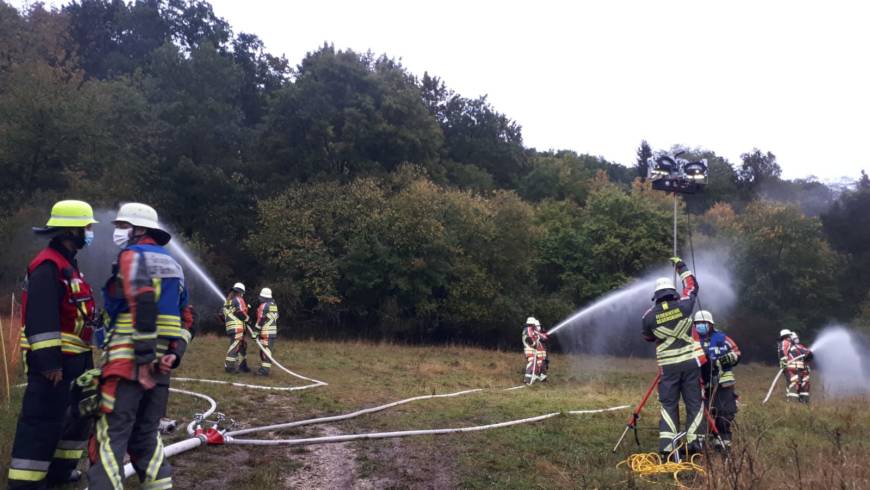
228 437
776 378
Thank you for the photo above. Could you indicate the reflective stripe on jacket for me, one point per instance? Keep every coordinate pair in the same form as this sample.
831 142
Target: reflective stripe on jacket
669 324
267 318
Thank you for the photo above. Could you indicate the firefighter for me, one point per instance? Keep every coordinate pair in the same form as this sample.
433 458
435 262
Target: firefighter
235 315
266 329
535 351
57 311
679 355
800 364
149 330
787 362
722 355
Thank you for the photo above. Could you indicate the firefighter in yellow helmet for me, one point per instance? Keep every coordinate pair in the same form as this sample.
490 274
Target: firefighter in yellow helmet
266 329
235 314
57 311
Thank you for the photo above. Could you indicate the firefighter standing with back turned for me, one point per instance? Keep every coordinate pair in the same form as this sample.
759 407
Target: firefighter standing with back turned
57 306
266 329
722 355
800 364
794 360
679 356
146 301
235 314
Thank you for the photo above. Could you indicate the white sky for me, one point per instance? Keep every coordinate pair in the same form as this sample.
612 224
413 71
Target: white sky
790 77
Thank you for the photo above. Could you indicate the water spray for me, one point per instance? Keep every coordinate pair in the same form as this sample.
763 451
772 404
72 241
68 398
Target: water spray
176 248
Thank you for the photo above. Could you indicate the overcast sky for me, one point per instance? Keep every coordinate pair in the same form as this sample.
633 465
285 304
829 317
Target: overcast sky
790 77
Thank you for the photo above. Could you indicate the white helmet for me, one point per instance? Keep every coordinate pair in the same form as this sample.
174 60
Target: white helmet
704 316
664 285
239 287
266 293
533 321
785 333
142 216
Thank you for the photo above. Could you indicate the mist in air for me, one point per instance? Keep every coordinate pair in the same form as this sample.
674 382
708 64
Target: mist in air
611 325
839 360
96 261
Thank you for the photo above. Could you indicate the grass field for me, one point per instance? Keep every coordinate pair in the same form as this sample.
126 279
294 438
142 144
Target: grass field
778 445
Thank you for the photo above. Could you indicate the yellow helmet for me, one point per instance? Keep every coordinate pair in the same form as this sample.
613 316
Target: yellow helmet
71 214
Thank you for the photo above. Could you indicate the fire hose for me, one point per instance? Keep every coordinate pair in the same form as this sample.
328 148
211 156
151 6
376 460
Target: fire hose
776 378
218 435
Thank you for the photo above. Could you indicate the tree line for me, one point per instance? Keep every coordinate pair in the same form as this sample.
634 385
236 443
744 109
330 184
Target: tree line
377 202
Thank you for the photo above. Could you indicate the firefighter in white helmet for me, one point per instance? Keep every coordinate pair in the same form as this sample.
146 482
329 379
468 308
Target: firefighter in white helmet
679 355
789 363
799 363
150 325
235 315
266 329
535 351
722 355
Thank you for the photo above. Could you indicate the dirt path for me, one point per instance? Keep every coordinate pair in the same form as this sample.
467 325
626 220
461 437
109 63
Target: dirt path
347 466
323 466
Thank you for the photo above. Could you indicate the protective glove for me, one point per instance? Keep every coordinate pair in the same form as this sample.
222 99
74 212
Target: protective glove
676 260
809 356
728 359
782 363
254 333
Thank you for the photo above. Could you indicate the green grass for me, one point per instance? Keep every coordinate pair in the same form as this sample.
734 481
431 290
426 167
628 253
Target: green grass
827 440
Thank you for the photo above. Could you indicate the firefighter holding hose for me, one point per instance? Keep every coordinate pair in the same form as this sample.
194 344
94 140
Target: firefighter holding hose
235 314
679 355
57 309
722 355
535 351
794 360
266 329
799 366
149 329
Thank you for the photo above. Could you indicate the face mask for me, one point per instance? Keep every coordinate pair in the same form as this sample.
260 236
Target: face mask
89 237
702 329
121 236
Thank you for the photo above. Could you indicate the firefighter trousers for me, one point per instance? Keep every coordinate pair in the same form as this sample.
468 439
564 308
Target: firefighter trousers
267 341
676 382
49 440
723 409
132 428
238 350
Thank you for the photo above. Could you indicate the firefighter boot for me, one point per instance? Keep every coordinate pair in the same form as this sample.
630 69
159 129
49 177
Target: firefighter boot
262 372
243 367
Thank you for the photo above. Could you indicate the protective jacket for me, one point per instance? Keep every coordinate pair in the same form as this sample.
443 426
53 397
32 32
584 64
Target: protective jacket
669 325
533 338
717 347
146 300
42 342
235 314
267 318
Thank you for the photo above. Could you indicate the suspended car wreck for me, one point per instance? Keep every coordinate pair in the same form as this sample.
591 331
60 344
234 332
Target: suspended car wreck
674 174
